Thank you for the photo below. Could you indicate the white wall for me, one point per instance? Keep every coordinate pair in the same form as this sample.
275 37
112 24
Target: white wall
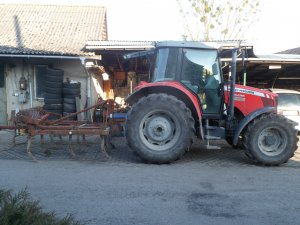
73 69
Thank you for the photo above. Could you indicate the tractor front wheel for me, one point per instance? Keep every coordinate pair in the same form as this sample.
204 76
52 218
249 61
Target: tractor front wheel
270 139
159 128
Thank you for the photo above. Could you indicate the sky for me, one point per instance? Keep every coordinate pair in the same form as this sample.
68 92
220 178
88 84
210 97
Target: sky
151 20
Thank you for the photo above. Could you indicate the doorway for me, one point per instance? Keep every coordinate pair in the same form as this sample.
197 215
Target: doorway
3 100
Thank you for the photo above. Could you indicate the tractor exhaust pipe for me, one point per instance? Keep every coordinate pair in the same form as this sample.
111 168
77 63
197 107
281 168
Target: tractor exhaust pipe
232 85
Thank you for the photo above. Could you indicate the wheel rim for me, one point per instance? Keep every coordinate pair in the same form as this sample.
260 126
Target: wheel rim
272 141
159 130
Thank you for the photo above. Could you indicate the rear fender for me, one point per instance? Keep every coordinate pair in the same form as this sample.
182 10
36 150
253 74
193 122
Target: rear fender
172 88
246 120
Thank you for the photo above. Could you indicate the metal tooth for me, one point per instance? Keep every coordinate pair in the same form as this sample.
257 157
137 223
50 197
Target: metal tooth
70 145
103 146
29 149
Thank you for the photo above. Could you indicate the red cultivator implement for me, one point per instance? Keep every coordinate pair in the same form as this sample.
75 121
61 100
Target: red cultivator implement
34 121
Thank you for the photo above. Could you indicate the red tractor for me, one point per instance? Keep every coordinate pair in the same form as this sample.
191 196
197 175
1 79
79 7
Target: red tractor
187 97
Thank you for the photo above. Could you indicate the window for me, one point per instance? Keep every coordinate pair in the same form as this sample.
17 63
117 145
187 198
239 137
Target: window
40 75
198 65
288 100
201 73
165 65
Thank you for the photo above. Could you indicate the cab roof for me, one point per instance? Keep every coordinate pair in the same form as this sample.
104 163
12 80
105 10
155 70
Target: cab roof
186 44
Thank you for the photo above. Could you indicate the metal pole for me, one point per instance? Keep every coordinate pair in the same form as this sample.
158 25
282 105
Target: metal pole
30 94
232 84
244 68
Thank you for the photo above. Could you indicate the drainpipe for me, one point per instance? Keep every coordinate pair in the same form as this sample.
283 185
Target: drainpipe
88 88
30 94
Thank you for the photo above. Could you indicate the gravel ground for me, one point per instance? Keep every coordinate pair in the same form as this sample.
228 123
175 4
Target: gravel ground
205 187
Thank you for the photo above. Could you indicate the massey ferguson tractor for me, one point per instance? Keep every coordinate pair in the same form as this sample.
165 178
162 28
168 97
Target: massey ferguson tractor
187 97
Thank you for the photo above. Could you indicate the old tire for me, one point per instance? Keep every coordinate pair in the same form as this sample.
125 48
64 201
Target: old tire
159 128
54 84
72 85
51 90
270 140
49 101
53 96
70 108
70 100
53 106
71 91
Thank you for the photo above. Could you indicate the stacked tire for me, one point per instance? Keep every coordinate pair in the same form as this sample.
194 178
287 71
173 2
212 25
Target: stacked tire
53 97
70 92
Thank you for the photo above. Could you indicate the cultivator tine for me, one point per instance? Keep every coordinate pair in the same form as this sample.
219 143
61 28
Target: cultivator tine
29 149
103 146
51 138
42 140
83 139
70 146
45 149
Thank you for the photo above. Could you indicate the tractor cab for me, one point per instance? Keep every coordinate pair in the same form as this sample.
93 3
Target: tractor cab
197 67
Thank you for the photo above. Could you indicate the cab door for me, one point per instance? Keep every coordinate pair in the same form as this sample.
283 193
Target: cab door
201 74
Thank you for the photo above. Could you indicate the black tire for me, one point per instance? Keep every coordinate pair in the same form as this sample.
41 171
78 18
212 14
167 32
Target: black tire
270 140
53 84
52 96
70 100
71 85
69 107
71 91
53 90
71 96
48 101
53 78
53 107
51 72
159 128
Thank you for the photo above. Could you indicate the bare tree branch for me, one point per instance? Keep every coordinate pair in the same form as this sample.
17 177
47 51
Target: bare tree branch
218 19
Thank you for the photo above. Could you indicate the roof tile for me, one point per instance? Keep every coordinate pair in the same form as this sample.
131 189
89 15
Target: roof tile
50 29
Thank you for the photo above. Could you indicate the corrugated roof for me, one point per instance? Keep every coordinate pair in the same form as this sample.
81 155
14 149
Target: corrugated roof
115 45
291 51
50 29
118 45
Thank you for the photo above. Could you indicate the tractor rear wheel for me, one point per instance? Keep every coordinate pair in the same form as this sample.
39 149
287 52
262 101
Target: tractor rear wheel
270 139
159 128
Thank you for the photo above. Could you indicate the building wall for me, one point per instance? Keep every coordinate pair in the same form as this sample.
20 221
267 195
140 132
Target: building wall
15 68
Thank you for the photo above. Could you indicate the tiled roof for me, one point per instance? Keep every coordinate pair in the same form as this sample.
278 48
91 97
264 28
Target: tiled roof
50 29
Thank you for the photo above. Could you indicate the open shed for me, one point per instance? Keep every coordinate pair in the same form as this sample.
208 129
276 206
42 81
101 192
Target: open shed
262 71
